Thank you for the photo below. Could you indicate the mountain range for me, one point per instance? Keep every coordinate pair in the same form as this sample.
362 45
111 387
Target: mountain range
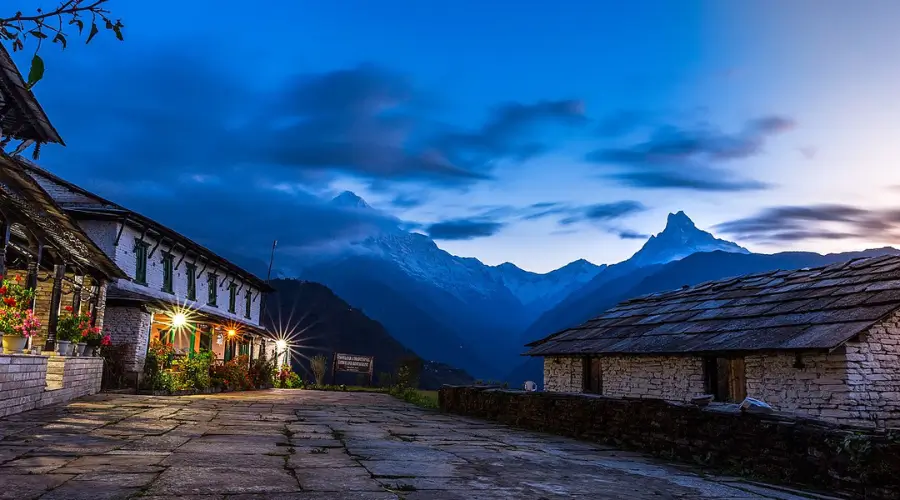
476 317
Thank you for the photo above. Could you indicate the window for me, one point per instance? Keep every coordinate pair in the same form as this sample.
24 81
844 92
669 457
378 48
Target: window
248 302
232 297
191 270
168 265
592 376
140 261
725 378
213 281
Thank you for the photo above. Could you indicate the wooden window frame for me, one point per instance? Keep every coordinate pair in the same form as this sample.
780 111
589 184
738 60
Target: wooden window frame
725 377
232 297
248 303
140 264
191 270
168 265
212 282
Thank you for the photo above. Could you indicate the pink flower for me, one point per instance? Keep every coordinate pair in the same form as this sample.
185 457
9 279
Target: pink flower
106 341
69 308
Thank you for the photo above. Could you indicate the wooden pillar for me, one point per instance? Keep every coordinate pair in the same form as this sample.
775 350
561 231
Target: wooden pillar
59 273
34 264
76 293
4 242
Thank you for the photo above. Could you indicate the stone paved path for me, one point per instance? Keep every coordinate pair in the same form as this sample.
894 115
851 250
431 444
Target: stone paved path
292 445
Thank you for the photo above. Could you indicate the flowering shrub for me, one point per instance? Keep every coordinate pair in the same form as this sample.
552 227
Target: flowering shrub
77 327
288 379
262 372
16 316
232 375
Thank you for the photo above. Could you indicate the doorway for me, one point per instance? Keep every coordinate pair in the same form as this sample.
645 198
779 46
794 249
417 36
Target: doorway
592 376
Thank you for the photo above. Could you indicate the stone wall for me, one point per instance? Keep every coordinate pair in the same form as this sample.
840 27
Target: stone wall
663 377
563 374
27 382
779 448
129 326
873 375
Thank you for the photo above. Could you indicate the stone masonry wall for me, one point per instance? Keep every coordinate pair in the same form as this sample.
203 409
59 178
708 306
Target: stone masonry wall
563 374
774 447
873 375
24 381
129 326
818 389
672 378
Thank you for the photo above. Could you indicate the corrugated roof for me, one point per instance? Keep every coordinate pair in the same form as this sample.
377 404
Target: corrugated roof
30 205
819 308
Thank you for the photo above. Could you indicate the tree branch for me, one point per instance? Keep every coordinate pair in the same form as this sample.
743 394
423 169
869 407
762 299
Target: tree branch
68 7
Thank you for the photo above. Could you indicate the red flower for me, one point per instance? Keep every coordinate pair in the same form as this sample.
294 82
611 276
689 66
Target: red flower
18 278
3 290
69 308
10 301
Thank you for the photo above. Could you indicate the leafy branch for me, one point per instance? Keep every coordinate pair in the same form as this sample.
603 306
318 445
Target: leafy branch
56 25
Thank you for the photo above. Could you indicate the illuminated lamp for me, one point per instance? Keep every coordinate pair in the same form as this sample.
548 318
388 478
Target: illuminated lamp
179 320
231 333
281 344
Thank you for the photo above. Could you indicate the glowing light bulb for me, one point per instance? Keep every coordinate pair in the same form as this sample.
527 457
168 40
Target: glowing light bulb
231 333
281 344
179 320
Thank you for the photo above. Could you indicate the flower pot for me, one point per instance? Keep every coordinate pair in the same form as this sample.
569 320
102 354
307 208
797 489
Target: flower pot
63 347
72 347
14 344
82 348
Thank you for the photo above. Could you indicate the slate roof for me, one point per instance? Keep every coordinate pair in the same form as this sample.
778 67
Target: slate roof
23 199
21 116
120 296
818 308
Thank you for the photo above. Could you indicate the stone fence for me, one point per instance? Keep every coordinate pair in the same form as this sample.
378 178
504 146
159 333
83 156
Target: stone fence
28 382
774 447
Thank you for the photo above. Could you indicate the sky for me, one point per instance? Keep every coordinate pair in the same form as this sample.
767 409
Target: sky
529 132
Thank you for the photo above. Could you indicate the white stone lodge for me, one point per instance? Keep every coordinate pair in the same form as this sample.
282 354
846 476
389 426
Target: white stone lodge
176 290
824 342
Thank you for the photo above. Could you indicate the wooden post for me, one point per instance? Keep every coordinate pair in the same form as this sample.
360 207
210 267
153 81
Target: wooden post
59 273
4 242
371 370
94 301
76 293
34 263
333 366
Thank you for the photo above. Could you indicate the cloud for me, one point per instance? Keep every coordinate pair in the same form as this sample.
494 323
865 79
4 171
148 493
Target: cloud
463 229
815 222
627 234
602 212
690 158
180 131
808 152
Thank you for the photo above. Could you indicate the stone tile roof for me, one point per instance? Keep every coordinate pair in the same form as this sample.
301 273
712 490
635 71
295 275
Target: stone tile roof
21 116
819 308
23 199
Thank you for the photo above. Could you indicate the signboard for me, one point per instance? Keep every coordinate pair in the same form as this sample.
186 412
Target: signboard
353 363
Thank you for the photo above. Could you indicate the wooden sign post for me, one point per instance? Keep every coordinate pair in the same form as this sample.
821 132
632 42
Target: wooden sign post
352 363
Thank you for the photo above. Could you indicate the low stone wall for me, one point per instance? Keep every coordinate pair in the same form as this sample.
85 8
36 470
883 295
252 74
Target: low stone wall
28 382
775 447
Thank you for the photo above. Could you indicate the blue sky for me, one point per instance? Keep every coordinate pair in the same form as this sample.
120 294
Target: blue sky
531 132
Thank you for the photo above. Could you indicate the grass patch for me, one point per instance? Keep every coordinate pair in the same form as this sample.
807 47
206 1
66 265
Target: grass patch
424 399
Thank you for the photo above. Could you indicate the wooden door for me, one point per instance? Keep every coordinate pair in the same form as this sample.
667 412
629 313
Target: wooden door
593 376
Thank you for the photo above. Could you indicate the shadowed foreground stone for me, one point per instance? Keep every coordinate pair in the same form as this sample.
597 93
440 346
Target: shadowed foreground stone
312 445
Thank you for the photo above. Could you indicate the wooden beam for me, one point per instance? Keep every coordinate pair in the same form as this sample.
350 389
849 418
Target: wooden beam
124 222
76 294
4 242
183 255
59 272
34 263
200 272
153 250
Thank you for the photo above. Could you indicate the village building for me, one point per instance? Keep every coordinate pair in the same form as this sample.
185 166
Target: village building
176 290
39 242
824 342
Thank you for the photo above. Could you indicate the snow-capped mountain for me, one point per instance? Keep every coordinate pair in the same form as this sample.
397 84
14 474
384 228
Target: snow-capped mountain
543 291
679 239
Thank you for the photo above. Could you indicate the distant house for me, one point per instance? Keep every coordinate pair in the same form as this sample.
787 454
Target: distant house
177 291
823 342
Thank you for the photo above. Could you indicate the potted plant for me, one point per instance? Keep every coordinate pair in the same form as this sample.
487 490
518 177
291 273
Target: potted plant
17 320
72 330
92 339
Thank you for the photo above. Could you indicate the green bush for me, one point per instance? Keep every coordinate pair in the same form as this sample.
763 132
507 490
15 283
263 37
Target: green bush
288 379
193 373
262 372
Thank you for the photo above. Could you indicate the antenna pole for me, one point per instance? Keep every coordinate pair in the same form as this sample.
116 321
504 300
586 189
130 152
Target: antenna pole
271 260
